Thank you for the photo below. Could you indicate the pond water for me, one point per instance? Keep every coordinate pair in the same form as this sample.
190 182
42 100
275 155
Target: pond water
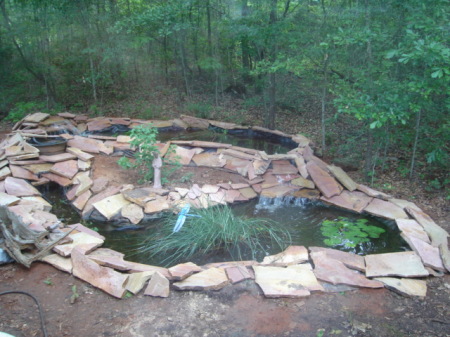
302 217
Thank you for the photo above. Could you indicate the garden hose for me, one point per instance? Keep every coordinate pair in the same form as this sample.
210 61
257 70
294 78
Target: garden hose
41 313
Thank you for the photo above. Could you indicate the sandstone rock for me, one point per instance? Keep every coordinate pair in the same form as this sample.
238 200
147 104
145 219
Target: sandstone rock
208 159
59 262
283 168
231 195
238 274
22 173
81 200
373 193
385 209
405 286
353 201
108 192
323 180
80 228
158 286
412 228
67 168
429 254
64 182
182 155
350 260
80 154
403 264
156 206
335 272
19 187
404 204
46 206
84 242
86 144
38 168
302 182
248 193
8 200
277 191
291 255
211 279
140 267
37 117
98 125
136 281
133 212
183 270
109 258
83 181
103 278
183 191
343 177
260 166
140 196
305 193
111 206
56 158
83 165
209 189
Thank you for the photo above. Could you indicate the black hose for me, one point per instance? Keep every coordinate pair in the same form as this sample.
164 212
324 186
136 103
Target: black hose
41 313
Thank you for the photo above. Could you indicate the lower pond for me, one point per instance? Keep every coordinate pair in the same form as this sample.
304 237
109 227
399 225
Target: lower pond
301 217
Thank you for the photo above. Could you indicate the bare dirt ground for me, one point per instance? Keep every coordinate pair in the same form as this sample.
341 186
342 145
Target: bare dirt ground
239 310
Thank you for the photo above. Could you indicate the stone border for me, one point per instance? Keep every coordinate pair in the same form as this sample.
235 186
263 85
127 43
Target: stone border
299 173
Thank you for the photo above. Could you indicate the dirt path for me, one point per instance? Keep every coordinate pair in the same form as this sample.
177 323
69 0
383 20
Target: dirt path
238 310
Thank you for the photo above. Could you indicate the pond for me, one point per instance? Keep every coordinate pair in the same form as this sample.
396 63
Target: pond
302 217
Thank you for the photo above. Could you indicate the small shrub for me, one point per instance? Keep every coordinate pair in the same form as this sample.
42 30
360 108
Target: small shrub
200 110
21 109
214 229
348 233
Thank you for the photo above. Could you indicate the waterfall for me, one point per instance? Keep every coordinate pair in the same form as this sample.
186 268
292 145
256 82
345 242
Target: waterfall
271 204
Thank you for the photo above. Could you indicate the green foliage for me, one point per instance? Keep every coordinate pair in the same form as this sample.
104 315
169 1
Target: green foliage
214 230
200 110
74 295
48 281
348 233
21 109
143 139
186 177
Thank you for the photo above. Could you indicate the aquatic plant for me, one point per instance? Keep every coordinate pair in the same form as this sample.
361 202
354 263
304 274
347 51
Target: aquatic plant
214 230
348 233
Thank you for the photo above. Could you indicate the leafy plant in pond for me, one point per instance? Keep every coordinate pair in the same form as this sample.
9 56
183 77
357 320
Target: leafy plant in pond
215 229
349 233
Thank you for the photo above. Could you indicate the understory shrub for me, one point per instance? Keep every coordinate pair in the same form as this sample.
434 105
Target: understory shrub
214 230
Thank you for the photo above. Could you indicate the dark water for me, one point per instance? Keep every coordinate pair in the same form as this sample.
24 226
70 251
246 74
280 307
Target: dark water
300 216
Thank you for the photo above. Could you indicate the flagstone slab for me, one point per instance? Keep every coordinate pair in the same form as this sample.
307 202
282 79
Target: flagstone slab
86 144
156 206
385 209
219 197
353 201
437 234
67 115
98 125
81 200
209 159
81 228
111 206
302 182
277 191
52 120
83 165
238 274
86 243
46 206
108 192
248 193
430 255
36 117
403 264
22 173
57 179
8 200
404 286
67 168
405 204
56 158
335 272
140 267
231 195
140 196
323 180
209 189
4 173
19 187
133 212
3 163
343 177
136 281
158 286
59 262
260 166
210 279
278 282
350 260
412 228
38 168
183 270
40 182
80 154
291 255
109 258
84 182
99 184
301 140
103 278
373 193
281 168
181 155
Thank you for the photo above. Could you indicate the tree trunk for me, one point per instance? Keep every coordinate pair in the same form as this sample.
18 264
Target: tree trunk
416 142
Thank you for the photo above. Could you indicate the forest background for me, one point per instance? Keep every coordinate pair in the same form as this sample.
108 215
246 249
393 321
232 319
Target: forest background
367 80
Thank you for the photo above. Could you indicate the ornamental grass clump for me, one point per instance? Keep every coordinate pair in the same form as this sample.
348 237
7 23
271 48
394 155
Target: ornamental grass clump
214 230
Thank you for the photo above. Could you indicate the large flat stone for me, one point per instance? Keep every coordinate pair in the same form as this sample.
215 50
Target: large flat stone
302 182
158 286
291 255
323 180
280 168
140 267
86 144
81 200
67 168
34 216
22 173
412 228
59 262
80 154
403 264
133 212
373 193
343 177
38 168
86 243
350 260
108 192
103 278
430 255
156 206
210 279
4 172
84 182
277 191
405 286
209 159
37 117
182 155
248 193
19 187
294 281
56 158
353 201
140 196
8 200
385 209
238 274
81 228
404 204
301 166
99 184
111 206
47 207
335 272
136 281
64 182
109 258
183 270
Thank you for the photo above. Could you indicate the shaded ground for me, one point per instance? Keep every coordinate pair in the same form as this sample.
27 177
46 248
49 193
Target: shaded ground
238 310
